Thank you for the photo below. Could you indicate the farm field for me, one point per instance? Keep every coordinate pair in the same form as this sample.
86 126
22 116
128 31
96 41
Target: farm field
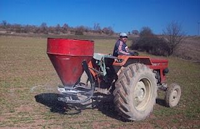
189 49
28 92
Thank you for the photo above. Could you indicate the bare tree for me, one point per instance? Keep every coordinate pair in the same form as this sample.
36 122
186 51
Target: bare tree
17 28
146 32
4 24
108 30
65 28
80 30
44 28
57 29
135 32
174 35
97 28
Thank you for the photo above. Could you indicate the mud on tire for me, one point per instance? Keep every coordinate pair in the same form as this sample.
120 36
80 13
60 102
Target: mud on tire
135 92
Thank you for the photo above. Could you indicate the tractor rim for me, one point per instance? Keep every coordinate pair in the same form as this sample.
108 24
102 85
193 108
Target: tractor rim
142 94
174 95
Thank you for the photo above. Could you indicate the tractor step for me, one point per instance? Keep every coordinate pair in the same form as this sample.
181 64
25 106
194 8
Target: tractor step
163 86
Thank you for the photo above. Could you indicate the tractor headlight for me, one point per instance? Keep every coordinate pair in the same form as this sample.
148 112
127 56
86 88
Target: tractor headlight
166 70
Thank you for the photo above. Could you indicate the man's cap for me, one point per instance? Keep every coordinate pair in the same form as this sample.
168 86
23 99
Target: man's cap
121 35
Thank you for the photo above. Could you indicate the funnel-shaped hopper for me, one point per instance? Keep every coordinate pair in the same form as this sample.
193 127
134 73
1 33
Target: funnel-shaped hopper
67 56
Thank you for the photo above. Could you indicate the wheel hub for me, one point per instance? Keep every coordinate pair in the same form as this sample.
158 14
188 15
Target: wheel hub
174 95
140 91
142 94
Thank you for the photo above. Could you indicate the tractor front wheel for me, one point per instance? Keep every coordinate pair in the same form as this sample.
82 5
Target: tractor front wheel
173 95
135 92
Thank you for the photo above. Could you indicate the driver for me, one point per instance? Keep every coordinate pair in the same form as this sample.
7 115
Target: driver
120 46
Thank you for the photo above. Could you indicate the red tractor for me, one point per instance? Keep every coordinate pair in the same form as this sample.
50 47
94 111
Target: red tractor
132 80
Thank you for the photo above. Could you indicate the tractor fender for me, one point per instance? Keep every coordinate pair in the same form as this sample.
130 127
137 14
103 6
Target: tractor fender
161 65
123 61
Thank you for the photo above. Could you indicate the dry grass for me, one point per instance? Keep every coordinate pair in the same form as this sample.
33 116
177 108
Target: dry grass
189 49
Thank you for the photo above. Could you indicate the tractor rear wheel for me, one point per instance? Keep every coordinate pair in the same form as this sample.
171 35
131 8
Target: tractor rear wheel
135 92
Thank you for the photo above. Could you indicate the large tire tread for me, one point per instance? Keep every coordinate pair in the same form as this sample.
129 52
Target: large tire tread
122 90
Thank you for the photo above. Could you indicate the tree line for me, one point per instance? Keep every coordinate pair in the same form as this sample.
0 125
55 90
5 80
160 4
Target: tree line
164 44
58 29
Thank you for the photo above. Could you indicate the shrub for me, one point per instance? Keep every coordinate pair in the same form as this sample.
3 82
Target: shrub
150 43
